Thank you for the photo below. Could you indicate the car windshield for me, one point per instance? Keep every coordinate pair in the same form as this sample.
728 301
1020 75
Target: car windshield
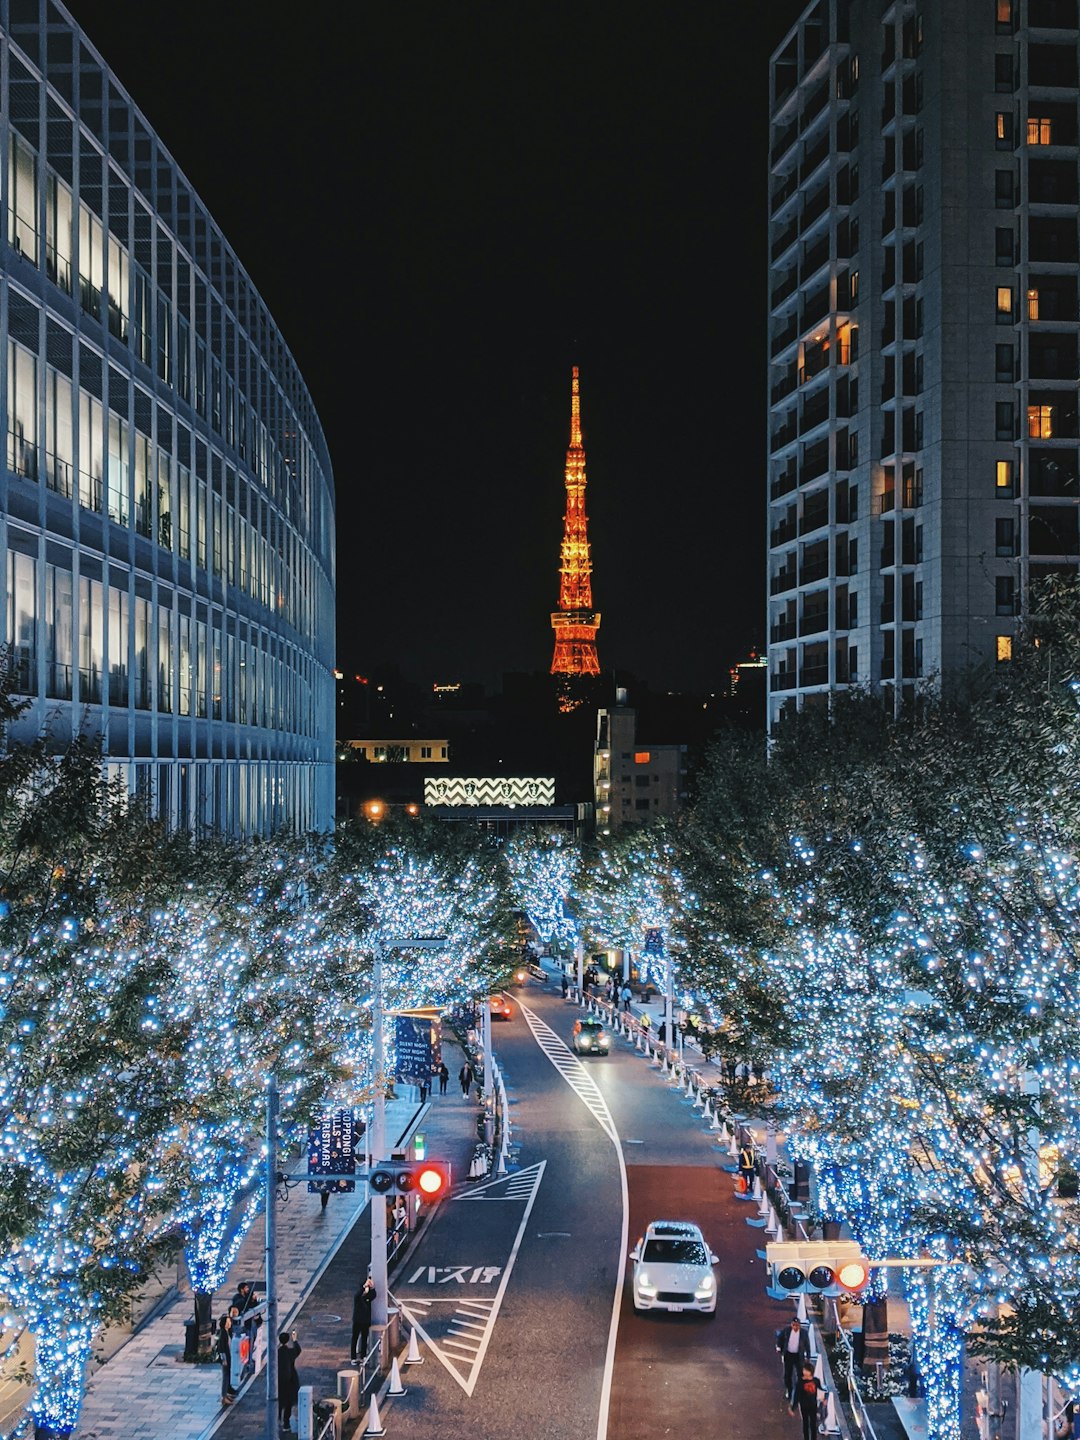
591 1027
675 1252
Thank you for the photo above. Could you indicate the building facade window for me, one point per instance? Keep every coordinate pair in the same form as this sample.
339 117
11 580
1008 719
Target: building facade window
22 197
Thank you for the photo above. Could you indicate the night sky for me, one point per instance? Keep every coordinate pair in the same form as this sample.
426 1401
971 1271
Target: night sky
445 206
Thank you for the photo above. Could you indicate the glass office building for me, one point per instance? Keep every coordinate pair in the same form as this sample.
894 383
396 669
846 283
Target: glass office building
166 502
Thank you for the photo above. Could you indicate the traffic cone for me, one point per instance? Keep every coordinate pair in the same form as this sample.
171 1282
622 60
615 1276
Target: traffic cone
412 1355
819 1372
396 1387
800 1309
374 1425
811 1340
689 1086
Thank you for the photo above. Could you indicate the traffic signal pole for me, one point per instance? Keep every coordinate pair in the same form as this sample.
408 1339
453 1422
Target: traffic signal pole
376 1203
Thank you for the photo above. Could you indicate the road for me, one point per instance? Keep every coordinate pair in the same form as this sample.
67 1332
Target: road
518 1286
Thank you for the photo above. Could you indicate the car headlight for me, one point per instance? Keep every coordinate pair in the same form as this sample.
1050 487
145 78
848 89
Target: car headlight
643 1283
706 1285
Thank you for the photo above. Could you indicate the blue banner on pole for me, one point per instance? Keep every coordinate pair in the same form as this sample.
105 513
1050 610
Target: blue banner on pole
332 1150
415 1046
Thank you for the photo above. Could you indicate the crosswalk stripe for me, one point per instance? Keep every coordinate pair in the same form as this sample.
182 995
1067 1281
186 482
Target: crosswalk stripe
572 1071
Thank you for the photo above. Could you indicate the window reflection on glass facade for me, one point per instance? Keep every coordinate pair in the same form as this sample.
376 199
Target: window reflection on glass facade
166 504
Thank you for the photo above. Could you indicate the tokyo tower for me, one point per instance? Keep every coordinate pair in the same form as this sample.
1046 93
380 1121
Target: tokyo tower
575 622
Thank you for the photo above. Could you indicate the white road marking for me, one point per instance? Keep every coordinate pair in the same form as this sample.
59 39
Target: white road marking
572 1071
585 1087
474 1307
502 1187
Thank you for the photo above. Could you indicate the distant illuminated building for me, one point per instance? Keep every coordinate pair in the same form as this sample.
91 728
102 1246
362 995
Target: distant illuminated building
746 671
575 622
633 782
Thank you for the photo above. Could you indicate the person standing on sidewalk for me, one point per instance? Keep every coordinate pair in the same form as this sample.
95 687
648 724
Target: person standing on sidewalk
444 1076
806 1398
627 996
288 1380
746 1166
793 1344
423 1085
466 1076
226 1328
361 1319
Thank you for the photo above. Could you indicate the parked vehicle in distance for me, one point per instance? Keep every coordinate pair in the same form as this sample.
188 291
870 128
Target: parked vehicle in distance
673 1269
501 1008
590 1038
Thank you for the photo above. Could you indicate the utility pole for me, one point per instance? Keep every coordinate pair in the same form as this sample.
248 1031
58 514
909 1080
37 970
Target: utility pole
669 1003
271 1261
376 1203
489 1076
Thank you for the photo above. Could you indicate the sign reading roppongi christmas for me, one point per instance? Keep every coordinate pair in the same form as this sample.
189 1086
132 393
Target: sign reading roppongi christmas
489 790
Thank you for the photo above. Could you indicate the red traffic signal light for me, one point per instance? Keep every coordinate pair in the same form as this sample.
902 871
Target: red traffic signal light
430 1179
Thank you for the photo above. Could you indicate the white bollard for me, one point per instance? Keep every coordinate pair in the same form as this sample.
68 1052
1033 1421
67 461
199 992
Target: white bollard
832 1425
348 1389
305 1413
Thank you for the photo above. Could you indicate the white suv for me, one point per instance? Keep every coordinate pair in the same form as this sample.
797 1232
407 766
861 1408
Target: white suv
673 1268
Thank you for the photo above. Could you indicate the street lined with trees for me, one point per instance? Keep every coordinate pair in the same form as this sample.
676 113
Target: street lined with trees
881 914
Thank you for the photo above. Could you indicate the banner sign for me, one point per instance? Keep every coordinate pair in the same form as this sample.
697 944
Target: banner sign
654 943
332 1149
415 1047
497 790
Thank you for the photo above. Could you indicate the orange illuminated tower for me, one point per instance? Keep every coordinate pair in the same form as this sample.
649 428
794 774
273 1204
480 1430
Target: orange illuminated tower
575 622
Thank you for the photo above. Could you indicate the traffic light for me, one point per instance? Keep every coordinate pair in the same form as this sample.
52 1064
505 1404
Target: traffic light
817 1267
429 1180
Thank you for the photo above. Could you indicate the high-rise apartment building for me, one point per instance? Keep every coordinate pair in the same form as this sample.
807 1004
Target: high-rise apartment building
166 501
923 329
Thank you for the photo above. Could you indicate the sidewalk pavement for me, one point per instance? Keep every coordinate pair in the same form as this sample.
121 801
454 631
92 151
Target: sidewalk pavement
323 1321
145 1392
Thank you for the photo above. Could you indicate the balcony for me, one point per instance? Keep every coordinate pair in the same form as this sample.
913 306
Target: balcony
784 532
814 623
785 579
814 675
782 630
814 517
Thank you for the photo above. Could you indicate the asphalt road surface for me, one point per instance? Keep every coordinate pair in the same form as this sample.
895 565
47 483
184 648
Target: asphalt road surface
520 1285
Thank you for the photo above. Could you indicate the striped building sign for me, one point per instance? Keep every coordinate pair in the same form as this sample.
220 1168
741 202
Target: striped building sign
499 790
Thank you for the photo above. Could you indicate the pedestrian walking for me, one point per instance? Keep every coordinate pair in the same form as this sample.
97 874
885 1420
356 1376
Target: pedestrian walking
746 1166
444 1076
424 1085
324 1197
806 1398
793 1344
565 983
288 1380
361 1319
627 996
226 1326
466 1076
